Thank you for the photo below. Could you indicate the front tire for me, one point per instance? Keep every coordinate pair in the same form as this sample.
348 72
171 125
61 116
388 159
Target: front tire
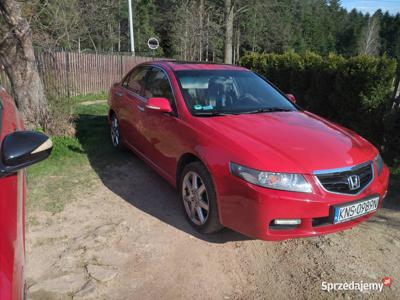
199 198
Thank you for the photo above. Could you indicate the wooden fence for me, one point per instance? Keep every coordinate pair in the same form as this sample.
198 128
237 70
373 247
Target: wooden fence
68 74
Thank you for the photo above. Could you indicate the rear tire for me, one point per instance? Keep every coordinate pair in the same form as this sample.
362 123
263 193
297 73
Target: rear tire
199 198
115 133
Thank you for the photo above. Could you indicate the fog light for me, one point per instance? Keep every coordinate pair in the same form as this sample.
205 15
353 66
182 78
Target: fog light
287 221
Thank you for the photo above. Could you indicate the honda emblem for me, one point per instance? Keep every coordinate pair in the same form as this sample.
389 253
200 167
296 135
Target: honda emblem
354 182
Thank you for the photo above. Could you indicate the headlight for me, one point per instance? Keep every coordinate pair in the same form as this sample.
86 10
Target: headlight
272 180
379 163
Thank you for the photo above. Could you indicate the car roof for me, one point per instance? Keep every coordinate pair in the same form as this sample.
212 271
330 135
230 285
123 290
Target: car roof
176 65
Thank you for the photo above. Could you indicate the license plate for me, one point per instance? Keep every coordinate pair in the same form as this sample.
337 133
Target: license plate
352 210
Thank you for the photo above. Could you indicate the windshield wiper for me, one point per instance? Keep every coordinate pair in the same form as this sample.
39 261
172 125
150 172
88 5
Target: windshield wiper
266 109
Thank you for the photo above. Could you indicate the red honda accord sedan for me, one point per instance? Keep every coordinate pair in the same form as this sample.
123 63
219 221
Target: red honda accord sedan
18 150
242 154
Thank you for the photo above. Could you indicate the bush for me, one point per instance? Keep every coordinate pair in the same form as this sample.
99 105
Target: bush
355 92
59 121
392 136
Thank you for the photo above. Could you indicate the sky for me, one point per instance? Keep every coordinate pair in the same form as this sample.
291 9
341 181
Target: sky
393 6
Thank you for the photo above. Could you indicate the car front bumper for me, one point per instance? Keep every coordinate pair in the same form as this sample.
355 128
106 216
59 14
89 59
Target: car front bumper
251 209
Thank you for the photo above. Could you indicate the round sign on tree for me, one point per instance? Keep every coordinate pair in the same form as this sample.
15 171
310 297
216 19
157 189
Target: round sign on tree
153 43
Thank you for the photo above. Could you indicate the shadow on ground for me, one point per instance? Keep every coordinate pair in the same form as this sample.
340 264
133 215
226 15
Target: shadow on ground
130 178
393 198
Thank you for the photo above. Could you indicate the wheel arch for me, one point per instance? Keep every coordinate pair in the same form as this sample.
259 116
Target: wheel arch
183 161
111 112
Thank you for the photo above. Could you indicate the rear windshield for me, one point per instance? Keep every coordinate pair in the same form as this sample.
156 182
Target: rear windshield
229 92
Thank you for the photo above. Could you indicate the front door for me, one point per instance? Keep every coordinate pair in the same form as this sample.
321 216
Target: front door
161 130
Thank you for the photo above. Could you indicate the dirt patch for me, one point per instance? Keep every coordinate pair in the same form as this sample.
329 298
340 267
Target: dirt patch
90 102
125 237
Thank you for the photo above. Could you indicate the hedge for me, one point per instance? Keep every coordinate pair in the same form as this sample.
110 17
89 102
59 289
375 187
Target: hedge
392 138
355 92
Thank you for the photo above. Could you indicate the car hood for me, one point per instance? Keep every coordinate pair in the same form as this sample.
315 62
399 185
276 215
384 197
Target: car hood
298 141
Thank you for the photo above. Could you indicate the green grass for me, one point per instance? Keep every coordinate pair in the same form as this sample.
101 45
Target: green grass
89 97
92 109
58 179
52 181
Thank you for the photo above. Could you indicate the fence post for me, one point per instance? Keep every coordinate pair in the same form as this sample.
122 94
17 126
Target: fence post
121 65
67 73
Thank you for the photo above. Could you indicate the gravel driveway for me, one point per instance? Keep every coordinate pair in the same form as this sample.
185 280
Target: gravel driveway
124 237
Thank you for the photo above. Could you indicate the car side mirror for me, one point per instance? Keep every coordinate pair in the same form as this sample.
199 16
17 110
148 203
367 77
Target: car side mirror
291 97
21 149
159 104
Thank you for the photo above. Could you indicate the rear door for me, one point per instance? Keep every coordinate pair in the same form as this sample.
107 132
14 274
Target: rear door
132 107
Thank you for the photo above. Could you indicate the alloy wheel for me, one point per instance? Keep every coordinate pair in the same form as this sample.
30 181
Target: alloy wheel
195 198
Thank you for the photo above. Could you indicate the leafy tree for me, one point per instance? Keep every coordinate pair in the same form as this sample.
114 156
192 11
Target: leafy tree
213 29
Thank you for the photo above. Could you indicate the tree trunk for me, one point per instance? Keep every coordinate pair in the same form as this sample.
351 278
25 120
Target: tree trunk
229 16
370 42
237 45
396 93
207 37
18 59
201 17
119 36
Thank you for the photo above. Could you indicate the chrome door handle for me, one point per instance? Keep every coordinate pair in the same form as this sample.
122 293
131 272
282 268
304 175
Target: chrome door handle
141 108
119 94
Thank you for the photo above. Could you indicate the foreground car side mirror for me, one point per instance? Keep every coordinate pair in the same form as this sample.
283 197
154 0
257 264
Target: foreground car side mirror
21 149
159 104
291 97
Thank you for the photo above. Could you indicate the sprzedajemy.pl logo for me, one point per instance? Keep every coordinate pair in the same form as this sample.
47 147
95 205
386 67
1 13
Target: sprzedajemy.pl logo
363 287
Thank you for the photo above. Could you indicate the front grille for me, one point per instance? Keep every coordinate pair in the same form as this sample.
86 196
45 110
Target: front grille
337 181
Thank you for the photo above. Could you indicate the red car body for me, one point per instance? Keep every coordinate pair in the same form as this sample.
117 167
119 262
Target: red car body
21 145
12 213
295 142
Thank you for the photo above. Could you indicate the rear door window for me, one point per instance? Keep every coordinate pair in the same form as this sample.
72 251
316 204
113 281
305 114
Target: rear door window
135 81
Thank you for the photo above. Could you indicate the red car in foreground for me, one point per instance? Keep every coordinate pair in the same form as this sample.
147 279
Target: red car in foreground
242 154
19 149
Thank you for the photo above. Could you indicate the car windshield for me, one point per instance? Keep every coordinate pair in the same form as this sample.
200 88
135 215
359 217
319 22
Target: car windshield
221 92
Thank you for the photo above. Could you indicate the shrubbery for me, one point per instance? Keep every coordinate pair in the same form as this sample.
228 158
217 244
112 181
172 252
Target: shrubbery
355 92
